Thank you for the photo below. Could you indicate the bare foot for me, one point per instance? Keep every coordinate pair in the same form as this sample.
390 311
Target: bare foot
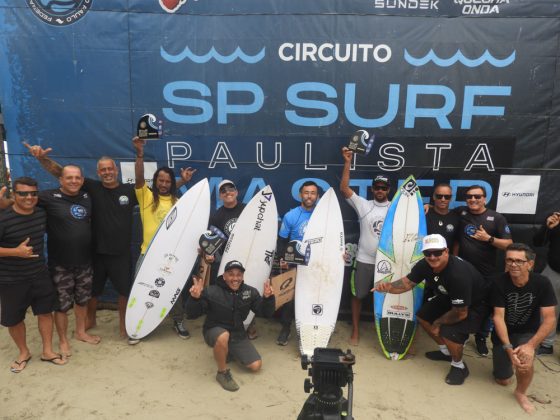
65 349
354 340
90 324
86 338
524 402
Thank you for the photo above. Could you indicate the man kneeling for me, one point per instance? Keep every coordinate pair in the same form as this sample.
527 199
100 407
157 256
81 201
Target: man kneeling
226 304
521 298
457 306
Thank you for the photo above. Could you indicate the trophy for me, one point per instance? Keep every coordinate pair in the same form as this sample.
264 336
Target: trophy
149 127
361 142
212 240
297 253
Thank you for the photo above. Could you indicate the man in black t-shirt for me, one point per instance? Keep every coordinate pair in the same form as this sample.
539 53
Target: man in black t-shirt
24 278
224 219
69 239
549 235
458 305
482 232
440 220
112 218
520 298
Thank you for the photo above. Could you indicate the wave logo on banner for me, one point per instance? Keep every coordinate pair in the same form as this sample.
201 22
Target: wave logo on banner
60 12
458 56
171 6
224 59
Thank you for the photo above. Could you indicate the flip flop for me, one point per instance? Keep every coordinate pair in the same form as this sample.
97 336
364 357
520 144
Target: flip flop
20 368
52 360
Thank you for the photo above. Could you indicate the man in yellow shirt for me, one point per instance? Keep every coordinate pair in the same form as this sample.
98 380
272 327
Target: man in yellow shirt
154 205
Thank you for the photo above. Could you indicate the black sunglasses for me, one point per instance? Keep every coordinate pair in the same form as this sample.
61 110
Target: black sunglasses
380 188
475 196
26 193
437 253
229 188
443 196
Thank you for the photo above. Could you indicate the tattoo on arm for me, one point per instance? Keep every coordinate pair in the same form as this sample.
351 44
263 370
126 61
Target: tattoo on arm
401 285
51 167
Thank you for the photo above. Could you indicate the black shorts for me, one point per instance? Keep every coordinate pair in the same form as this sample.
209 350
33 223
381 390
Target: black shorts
502 367
116 268
241 349
436 306
37 292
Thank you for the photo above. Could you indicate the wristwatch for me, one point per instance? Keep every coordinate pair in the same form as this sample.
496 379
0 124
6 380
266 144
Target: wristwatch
507 346
491 239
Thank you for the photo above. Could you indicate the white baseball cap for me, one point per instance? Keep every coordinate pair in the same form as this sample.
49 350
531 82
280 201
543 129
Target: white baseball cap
226 182
434 241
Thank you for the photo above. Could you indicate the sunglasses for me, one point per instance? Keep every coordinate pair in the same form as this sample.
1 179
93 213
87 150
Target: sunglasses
443 196
224 190
380 188
27 193
437 253
475 196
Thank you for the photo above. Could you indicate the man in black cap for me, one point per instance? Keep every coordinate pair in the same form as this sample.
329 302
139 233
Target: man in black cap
371 215
226 305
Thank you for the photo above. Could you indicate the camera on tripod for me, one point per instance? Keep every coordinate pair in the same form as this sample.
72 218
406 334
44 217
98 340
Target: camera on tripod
330 371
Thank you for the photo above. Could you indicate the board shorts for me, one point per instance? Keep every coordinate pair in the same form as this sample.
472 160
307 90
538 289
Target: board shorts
459 332
240 348
72 284
361 280
37 292
116 268
501 363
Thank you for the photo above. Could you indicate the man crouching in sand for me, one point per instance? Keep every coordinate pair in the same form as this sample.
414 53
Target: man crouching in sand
226 305
521 300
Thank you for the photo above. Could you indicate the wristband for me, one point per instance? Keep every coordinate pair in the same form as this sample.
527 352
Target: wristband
507 346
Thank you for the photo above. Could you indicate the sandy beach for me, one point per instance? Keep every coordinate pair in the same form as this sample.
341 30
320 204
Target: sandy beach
166 377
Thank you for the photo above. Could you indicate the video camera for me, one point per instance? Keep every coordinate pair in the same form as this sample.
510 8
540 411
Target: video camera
330 371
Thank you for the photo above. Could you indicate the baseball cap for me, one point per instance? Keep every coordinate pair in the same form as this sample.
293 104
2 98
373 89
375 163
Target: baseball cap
226 182
381 179
234 264
434 241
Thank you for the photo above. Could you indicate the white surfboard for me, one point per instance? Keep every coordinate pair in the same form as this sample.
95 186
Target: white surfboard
253 241
399 249
168 261
319 284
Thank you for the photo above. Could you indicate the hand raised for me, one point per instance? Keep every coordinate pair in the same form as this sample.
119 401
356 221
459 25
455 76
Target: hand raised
37 151
268 290
197 287
187 174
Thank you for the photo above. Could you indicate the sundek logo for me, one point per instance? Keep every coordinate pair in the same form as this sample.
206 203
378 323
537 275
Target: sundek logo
60 12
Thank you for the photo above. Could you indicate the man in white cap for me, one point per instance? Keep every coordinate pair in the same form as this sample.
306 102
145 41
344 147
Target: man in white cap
226 305
456 309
